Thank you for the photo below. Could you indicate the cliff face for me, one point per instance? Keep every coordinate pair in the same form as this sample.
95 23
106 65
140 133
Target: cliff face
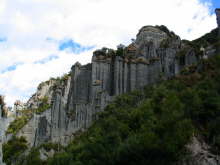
76 98
217 11
156 54
218 16
44 90
32 131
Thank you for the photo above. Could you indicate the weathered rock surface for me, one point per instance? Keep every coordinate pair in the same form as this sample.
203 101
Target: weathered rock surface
44 155
76 101
37 130
3 108
4 122
200 154
156 54
45 89
217 11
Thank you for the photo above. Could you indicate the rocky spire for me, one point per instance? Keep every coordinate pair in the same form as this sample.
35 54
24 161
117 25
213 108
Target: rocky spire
217 11
3 109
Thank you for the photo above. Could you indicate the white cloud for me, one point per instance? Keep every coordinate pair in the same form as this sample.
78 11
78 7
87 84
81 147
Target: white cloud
27 25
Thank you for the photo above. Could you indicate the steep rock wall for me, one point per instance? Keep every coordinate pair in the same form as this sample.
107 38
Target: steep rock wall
92 86
155 55
218 16
217 11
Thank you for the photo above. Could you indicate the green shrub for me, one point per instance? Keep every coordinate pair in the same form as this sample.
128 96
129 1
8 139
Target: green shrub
152 126
13 149
43 106
18 123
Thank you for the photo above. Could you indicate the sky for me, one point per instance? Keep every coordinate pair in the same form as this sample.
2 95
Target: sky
40 39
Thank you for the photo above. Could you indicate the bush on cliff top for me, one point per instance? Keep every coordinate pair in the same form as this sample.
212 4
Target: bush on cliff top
43 106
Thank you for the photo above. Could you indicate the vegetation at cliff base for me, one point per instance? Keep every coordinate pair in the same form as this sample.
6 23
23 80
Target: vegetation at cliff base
33 158
153 125
13 149
19 122
25 115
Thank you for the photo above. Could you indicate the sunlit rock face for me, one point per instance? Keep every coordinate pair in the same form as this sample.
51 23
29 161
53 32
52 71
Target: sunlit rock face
89 88
200 154
45 89
150 34
75 100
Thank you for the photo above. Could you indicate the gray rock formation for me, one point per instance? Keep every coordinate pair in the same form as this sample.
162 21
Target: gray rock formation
45 89
3 108
2 104
200 154
37 130
18 107
4 122
156 54
217 11
76 101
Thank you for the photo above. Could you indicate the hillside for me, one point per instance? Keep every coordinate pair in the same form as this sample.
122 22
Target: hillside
155 101
153 125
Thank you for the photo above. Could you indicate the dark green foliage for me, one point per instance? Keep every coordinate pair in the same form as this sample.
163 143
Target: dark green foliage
63 78
43 106
207 39
166 30
19 122
104 52
13 149
165 43
25 116
152 126
50 146
33 158
182 52
120 52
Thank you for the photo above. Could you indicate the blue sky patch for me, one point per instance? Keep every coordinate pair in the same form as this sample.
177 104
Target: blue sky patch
73 46
46 60
216 3
3 39
11 68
